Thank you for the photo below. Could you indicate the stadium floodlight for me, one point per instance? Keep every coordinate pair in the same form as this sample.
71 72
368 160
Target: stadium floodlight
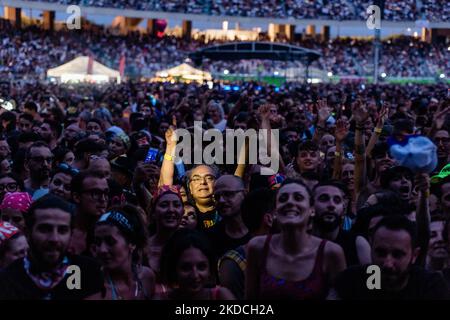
448 49
226 71
383 75
442 76
276 73
330 74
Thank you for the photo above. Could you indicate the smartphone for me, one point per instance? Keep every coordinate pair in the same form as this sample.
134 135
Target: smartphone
152 155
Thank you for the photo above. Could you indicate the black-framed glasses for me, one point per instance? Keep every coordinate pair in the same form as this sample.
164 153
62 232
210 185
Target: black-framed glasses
97 194
9 187
66 168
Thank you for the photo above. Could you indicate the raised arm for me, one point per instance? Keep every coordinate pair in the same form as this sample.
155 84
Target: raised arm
379 127
360 115
422 183
323 113
168 166
266 117
340 134
439 118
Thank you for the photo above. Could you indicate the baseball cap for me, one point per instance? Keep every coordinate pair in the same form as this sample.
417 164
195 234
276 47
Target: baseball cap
442 174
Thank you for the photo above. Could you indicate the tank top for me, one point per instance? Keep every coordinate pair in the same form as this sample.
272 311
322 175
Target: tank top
314 287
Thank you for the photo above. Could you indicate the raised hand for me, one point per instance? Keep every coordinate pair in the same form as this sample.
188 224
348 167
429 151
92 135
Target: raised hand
341 131
383 115
265 111
359 112
323 112
440 115
171 136
422 182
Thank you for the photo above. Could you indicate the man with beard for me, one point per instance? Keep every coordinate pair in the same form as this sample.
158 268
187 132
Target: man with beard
231 232
38 162
437 257
50 131
394 251
329 210
44 273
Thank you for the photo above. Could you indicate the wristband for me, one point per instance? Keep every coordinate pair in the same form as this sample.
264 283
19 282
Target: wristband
337 154
168 157
378 130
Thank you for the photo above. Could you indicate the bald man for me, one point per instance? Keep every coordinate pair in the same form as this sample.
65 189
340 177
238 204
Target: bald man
231 232
101 166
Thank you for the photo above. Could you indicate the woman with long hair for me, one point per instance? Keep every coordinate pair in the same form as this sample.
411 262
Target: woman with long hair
119 239
292 264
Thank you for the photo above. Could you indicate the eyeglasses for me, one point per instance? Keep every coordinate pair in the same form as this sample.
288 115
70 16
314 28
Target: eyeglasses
66 168
228 194
10 187
97 194
199 179
42 159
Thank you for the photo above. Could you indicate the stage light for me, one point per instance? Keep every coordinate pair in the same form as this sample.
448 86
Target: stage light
409 29
416 34
276 73
226 71
330 74
383 75
442 76
309 80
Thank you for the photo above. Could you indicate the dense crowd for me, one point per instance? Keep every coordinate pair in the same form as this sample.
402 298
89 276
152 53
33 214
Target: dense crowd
90 176
433 10
20 54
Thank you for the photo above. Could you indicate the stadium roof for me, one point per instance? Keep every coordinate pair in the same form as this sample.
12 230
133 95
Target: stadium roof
255 50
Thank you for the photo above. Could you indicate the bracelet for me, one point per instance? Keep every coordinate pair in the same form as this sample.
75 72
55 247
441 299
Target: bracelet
378 130
337 154
168 157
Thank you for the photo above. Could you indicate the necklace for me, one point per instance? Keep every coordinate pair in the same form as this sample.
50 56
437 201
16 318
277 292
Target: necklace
115 293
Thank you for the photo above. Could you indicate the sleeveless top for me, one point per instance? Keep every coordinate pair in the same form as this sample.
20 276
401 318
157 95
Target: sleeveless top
314 287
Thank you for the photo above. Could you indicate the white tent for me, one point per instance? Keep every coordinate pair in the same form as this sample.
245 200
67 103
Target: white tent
185 72
78 70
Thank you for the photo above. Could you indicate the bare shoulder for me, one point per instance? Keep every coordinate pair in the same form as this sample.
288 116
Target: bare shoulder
362 242
257 243
333 250
145 273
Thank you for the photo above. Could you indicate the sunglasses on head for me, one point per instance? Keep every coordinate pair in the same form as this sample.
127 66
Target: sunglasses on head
68 169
